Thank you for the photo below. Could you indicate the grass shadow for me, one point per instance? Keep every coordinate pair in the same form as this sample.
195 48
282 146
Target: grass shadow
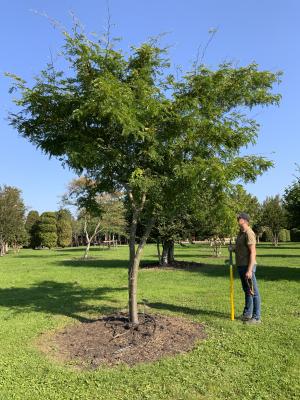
53 297
186 310
264 272
92 263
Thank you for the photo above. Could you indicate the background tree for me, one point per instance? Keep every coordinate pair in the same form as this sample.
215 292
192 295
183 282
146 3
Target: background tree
64 228
12 219
242 201
97 213
273 216
47 230
291 202
131 126
31 226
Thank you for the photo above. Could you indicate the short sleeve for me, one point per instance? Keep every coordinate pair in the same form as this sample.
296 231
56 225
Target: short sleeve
251 238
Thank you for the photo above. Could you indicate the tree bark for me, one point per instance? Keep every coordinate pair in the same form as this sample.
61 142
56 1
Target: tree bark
135 257
88 238
158 250
171 252
167 253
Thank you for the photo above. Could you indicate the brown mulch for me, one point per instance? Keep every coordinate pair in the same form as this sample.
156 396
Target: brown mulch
112 340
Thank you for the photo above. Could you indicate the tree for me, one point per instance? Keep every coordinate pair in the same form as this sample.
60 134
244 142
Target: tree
12 219
47 230
291 202
273 216
245 202
64 228
31 226
97 213
132 127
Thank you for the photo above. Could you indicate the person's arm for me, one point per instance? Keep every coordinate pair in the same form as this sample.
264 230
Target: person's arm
252 260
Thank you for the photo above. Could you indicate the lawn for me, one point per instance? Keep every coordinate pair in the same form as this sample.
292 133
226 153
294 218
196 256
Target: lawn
43 290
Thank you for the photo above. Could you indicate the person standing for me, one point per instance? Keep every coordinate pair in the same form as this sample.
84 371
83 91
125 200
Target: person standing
245 256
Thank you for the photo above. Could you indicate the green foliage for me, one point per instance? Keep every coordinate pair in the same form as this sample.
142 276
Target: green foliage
32 227
113 118
267 235
284 235
64 228
47 230
273 216
291 201
12 217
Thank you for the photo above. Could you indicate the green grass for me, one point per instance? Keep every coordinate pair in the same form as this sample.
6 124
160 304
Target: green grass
42 290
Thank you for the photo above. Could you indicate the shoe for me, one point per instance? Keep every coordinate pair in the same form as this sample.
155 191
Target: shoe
252 321
244 317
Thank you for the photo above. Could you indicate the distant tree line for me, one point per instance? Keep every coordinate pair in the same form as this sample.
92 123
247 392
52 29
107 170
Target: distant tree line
104 219
58 228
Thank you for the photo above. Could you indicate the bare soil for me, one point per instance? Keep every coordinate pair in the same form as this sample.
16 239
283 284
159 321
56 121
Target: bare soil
111 340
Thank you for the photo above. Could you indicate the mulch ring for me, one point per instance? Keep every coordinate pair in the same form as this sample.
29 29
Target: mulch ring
111 340
173 265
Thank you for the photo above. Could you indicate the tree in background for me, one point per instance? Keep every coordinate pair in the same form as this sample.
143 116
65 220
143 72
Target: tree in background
273 216
47 230
31 226
12 219
134 128
64 228
246 202
97 213
291 202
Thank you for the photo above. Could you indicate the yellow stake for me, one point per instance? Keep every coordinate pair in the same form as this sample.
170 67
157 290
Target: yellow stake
231 283
231 293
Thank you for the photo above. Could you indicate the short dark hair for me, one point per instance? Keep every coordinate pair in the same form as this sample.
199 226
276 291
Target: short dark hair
244 215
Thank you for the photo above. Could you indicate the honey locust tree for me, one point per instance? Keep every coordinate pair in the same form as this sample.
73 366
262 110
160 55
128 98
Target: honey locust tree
124 121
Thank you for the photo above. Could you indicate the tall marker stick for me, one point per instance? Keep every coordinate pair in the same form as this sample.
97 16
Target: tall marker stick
231 284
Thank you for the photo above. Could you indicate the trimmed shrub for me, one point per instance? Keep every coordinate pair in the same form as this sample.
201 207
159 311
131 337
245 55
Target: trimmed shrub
295 235
47 230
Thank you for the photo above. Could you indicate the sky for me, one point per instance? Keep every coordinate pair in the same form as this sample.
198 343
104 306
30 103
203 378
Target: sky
264 31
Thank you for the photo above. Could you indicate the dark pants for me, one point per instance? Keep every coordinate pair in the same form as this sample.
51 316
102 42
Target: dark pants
252 302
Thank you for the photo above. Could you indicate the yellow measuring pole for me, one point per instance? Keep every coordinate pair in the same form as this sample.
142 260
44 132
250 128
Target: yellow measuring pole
231 285
231 293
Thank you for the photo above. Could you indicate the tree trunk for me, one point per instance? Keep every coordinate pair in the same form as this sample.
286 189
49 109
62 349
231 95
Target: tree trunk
167 253
134 260
158 249
275 239
87 249
171 252
2 249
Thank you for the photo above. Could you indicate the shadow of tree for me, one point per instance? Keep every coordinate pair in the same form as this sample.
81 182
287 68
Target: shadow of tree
186 310
264 272
92 263
53 297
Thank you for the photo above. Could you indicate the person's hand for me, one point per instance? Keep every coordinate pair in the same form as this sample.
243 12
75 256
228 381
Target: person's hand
248 275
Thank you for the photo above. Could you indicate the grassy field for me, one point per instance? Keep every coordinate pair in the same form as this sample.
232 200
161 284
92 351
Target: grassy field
45 289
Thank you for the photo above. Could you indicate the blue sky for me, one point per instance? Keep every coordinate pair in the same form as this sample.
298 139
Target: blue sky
265 31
